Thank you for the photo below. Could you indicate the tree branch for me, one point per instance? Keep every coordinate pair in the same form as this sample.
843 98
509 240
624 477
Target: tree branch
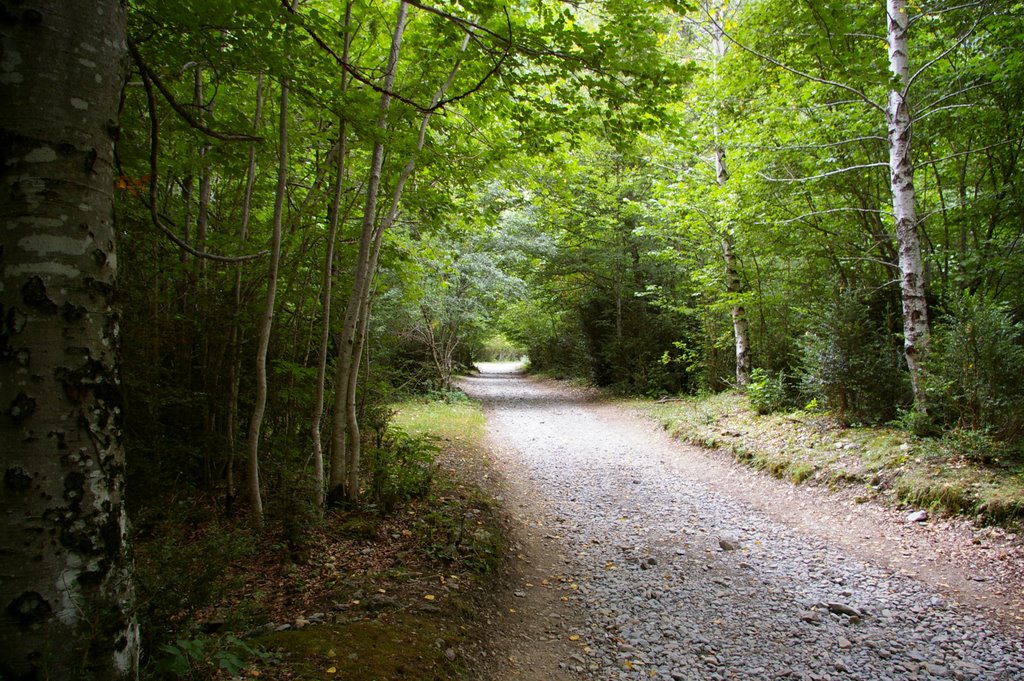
823 175
148 76
797 72
154 146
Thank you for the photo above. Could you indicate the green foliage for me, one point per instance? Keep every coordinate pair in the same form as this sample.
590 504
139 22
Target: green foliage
768 391
201 658
401 469
183 570
976 364
851 364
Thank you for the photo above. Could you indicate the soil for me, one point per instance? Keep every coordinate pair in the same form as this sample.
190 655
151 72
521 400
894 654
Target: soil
533 639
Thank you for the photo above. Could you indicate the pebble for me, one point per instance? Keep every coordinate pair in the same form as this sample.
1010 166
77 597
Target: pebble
794 608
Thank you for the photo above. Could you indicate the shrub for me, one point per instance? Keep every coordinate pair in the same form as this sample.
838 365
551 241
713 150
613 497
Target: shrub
975 368
851 364
767 391
401 469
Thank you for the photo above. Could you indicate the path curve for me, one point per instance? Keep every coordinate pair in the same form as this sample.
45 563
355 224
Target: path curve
635 565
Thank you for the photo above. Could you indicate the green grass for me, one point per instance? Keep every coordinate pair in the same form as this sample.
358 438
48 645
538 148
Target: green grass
462 422
962 472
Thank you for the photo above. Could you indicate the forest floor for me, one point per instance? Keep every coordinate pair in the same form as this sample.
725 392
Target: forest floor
572 536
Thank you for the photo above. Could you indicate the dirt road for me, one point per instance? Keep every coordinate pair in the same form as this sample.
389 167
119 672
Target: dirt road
640 558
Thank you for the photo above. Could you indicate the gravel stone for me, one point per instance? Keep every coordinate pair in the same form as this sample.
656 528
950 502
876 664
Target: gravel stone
662 596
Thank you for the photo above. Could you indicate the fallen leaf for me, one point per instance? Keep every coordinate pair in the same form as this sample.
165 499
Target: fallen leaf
574 637
428 597
332 670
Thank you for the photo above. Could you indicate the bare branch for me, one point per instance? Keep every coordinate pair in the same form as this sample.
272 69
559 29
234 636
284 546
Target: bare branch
827 145
970 151
797 72
823 175
158 221
927 109
149 76
963 38
828 211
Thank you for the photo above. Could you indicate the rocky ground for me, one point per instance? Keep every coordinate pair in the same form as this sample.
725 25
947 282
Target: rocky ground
641 558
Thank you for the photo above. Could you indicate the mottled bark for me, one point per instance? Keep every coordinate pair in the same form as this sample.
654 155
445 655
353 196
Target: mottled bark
912 281
733 283
65 591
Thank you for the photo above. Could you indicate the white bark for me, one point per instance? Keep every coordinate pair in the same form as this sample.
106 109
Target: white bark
899 123
65 594
733 284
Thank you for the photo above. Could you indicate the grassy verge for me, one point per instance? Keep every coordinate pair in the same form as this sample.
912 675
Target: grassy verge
358 595
961 473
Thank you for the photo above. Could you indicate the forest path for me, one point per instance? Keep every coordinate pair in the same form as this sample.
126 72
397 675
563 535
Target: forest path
642 558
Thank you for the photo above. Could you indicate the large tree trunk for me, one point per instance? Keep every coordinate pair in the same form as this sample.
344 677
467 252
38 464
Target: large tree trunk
65 594
912 283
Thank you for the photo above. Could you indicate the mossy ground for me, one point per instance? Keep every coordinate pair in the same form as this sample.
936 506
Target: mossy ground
960 473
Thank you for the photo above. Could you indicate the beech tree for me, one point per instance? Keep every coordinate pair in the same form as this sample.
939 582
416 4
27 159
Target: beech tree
66 592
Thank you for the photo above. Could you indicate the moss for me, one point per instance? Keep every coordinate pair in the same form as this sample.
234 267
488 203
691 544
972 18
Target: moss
402 645
961 473
360 527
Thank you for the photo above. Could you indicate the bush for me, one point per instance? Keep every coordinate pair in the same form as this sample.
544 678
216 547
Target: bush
182 571
975 372
767 391
402 468
851 364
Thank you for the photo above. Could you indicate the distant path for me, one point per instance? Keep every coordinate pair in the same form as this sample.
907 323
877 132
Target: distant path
645 559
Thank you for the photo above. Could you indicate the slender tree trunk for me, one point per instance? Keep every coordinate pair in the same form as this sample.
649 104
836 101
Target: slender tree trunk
66 588
325 328
267 320
345 439
231 425
346 444
733 284
912 280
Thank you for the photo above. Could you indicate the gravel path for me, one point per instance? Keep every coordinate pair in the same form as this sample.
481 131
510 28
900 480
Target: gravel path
641 571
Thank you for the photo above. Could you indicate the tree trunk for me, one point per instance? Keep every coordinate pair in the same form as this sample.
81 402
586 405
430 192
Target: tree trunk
66 589
267 320
344 439
236 334
325 328
733 284
912 281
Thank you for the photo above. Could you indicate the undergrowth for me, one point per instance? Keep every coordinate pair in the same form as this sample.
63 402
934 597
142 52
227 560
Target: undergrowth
392 578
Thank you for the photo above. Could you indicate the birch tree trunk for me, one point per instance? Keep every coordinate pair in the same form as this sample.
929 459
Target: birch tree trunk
733 284
267 320
66 590
901 169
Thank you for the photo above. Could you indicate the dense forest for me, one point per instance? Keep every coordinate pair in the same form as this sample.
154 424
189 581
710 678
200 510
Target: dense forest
321 206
